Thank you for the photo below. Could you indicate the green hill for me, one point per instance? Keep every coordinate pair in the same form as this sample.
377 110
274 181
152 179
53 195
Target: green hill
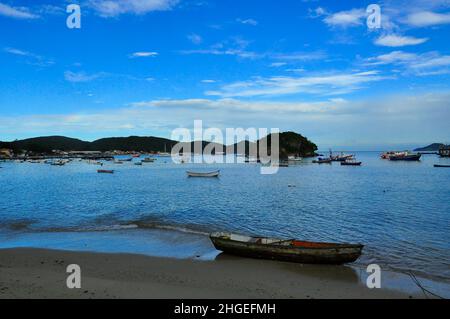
430 148
290 144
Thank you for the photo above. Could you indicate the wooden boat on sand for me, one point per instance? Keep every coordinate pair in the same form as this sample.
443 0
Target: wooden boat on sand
202 174
286 250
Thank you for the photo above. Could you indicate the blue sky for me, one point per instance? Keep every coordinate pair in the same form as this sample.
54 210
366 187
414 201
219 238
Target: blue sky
145 67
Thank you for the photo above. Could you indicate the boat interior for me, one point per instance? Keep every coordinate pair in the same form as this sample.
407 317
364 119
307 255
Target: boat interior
274 241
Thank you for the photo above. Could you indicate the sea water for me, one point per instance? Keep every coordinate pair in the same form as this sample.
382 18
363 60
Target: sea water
400 211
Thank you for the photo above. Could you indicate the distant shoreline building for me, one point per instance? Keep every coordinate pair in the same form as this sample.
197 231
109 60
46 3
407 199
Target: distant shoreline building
445 151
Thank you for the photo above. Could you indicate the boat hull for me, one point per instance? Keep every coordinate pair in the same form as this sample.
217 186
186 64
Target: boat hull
105 171
322 161
406 158
336 256
199 174
439 165
351 163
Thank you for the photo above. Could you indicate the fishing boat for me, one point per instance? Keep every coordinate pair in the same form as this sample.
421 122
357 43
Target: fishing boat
405 157
58 163
105 171
251 159
280 164
165 153
340 158
387 155
323 161
295 159
351 163
203 174
286 250
441 165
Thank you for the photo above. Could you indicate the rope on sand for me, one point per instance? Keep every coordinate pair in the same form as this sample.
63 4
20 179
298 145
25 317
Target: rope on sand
424 290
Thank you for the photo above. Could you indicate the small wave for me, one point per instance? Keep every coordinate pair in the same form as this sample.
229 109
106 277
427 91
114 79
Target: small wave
139 224
181 229
17 225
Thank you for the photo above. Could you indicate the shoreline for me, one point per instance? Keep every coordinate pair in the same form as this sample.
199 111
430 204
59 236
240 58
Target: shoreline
181 246
41 273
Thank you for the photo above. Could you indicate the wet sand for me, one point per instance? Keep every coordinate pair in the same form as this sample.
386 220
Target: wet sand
41 273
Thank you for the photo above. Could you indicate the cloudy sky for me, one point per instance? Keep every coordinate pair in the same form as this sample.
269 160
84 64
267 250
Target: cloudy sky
146 67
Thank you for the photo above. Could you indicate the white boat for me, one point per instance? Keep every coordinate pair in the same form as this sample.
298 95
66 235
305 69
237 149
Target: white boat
203 174
295 159
58 163
164 154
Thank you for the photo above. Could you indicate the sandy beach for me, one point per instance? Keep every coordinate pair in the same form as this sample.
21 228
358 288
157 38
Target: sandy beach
41 273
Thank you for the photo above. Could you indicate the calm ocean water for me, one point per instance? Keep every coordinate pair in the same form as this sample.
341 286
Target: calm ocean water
399 210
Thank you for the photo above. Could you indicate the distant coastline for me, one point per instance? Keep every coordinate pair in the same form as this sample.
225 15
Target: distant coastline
291 143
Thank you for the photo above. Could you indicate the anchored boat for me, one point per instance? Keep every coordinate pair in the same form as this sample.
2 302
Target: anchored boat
202 174
441 165
405 157
323 161
105 171
286 250
351 163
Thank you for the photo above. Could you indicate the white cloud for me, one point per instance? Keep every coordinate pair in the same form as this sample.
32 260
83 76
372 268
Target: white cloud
427 18
77 77
233 52
18 52
30 58
277 64
208 81
300 56
16 12
232 47
332 121
143 54
426 64
238 105
432 61
195 38
322 84
394 40
113 8
248 21
317 12
393 57
344 19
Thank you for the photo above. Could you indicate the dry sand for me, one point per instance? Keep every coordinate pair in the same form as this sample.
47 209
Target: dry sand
40 273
